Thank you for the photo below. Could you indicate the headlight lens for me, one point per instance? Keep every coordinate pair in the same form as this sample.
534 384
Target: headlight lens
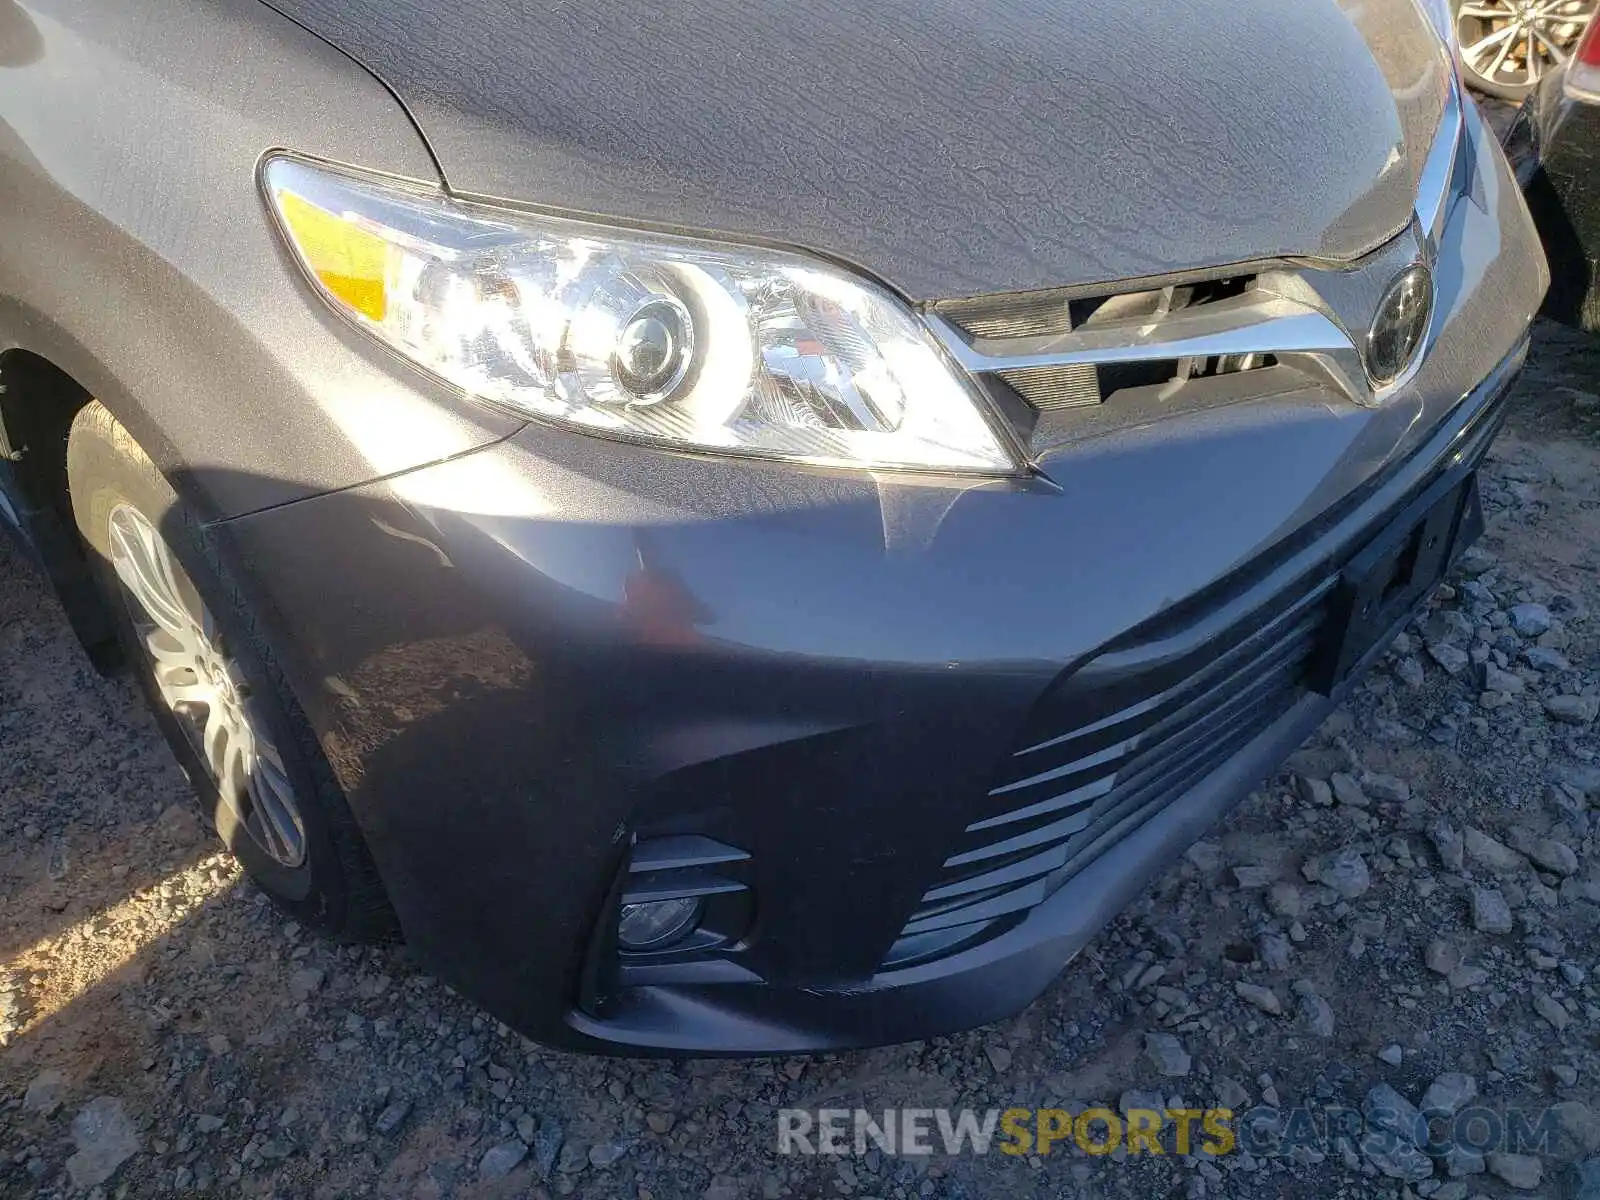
670 340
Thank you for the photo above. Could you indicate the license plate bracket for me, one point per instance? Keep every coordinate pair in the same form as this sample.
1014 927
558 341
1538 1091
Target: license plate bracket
1383 584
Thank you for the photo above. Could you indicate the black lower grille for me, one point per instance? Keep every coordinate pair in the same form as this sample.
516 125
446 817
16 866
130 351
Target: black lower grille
1142 724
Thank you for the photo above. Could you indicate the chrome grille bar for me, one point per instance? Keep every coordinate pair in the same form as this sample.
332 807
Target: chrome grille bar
1437 184
1259 323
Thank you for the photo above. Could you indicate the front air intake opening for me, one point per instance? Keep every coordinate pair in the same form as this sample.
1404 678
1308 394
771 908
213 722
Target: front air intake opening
1046 314
1002 322
1050 389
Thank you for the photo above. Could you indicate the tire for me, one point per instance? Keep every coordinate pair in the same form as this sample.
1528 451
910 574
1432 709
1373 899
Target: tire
1511 82
317 869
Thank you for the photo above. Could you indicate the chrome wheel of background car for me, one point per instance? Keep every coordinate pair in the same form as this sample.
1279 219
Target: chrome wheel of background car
1508 46
204 687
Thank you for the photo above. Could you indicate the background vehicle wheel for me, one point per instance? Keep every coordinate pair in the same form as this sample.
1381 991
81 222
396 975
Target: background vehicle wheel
1508 46
218 698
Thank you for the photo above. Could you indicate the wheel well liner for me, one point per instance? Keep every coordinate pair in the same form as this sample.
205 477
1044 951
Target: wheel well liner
38 401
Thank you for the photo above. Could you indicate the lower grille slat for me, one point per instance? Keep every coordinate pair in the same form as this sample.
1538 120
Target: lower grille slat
1157 725
1184 704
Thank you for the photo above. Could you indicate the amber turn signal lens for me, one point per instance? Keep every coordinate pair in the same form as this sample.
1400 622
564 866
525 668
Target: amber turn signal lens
346 259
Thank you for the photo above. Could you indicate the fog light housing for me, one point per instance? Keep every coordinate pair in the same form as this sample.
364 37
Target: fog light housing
656 924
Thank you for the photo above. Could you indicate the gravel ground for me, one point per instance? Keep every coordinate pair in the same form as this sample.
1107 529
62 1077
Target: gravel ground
1418 893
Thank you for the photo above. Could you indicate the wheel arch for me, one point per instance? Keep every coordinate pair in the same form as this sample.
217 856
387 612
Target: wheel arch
46 379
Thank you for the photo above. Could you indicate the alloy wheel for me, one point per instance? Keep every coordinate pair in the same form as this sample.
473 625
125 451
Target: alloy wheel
205 688
1512 44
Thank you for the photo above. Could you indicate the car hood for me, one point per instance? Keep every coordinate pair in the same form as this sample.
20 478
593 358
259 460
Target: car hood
951 148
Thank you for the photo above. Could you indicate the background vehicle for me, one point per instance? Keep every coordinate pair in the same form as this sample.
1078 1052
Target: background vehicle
1555 147
1508 46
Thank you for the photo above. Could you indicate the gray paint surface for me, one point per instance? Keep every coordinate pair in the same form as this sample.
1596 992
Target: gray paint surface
838 648
952 148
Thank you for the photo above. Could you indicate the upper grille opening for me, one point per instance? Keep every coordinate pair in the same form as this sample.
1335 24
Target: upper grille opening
1039 314
1046 314
1050 388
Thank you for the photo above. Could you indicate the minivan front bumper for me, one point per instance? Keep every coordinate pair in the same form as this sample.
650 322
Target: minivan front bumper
559 672
1002 973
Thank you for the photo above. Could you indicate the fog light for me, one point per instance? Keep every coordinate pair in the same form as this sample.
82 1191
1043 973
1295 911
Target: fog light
657 923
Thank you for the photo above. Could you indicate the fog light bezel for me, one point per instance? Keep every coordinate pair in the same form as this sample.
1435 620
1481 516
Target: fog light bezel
668 867
673 934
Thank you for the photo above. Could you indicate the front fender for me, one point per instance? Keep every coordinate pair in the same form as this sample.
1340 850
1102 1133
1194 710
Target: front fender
139 258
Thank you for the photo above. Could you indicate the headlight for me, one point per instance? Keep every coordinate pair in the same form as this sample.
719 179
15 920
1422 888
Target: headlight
670 340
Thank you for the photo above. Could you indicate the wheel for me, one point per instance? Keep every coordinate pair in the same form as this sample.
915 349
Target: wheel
216 694
1508 46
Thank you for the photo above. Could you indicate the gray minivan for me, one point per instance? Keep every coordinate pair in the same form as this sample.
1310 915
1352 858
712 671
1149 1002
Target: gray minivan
739 526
